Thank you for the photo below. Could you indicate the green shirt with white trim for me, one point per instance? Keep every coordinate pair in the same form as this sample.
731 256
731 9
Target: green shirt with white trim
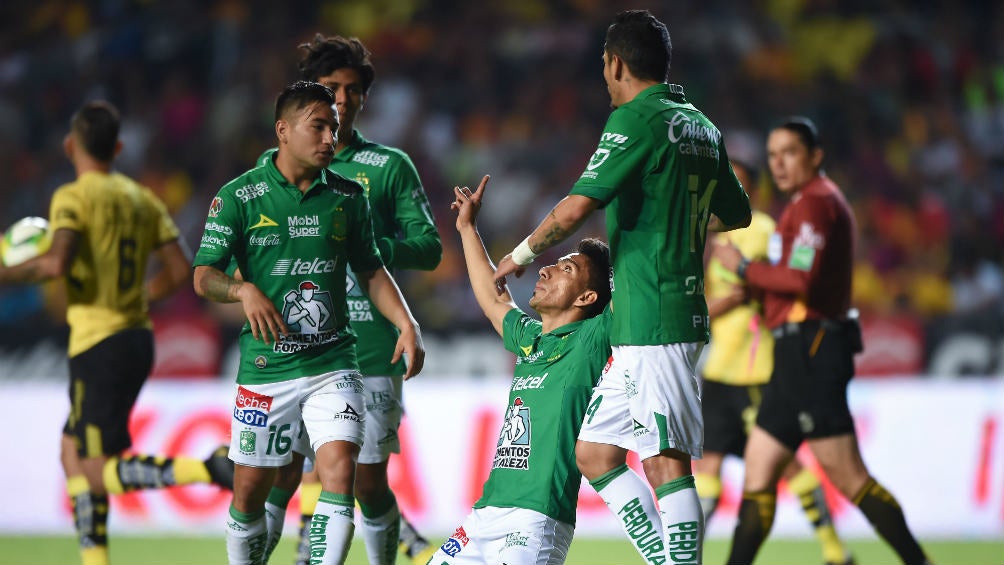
295 247
660 170
534 464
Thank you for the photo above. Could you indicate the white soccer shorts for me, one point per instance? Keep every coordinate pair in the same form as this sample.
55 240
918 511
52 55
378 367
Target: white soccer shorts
623 411
268 417
383 418
510 536
608 416
664 395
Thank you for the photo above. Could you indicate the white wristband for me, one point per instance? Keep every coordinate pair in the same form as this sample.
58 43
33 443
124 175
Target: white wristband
523 255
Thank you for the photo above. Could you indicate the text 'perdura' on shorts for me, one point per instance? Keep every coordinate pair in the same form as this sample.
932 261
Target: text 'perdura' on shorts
104 383
807 394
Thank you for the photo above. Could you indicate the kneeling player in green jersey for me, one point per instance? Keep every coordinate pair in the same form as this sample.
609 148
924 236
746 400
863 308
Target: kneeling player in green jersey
294 228
526 515
105 229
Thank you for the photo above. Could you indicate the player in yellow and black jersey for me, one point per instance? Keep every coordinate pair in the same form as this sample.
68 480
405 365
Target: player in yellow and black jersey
739 361
105 227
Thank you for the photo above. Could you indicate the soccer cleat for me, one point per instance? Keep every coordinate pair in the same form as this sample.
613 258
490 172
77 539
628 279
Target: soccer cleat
849 561
413 545
220 467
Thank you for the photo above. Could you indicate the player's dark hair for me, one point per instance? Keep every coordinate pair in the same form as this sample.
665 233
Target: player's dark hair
299 94
804 128
642 42
325 55
599 272
96 126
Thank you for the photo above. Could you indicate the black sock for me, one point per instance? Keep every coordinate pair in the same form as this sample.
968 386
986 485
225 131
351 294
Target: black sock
90 517
887 518
756 516
136 472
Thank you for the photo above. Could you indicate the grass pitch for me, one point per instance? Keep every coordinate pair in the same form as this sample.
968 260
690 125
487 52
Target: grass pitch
39 550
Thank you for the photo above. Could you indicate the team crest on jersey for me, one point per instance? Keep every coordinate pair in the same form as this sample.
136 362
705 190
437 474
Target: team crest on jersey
599 156
260 362
513 449
339 225
363 181
457 541
215 207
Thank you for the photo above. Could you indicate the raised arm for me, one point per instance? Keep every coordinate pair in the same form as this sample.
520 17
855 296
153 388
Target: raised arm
563 220
385 294
495 303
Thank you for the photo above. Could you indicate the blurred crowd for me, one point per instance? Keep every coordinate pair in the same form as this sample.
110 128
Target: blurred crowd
908 95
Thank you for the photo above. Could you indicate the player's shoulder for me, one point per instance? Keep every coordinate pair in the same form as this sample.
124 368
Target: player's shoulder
249 177
378 155
342 184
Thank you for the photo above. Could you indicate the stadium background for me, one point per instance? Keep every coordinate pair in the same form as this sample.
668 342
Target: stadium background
909 96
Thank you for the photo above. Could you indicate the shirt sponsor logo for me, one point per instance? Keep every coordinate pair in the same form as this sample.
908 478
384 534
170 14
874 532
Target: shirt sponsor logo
516 539
513 448
359 310
251 191
457 541
809 237
270 240
304 226
210 241
252 408
371 158
613 137
315 266
528 383
215 207
349 414
264 222
693 137
213 226
308 313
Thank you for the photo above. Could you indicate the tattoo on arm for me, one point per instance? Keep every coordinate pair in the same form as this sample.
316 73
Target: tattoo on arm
555 234
218 287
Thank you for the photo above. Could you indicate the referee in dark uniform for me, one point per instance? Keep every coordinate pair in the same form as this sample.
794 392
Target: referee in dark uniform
806 283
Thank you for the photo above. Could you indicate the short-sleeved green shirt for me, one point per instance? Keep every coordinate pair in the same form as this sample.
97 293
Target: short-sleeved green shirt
534 465
295 247
405 233
660 169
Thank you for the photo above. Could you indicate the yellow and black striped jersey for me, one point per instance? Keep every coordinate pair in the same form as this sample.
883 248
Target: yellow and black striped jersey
742 348
120 223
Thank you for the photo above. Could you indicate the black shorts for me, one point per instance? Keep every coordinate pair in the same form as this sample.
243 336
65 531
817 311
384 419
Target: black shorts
104 383
807 393
729 413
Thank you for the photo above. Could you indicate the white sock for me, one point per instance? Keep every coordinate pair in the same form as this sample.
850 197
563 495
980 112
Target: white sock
380 534
275 515
331 528
628 496
246 538
682 520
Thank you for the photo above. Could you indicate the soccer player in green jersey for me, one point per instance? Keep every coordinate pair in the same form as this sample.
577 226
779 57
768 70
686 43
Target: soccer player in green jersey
526 514
105 228
294 228
407 238
662 173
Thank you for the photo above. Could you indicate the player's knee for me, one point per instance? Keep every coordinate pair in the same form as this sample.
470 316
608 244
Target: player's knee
593 459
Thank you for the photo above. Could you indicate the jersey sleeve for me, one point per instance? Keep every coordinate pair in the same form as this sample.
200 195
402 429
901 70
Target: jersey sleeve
66 211
596 333
265 157
802 249
223 229
418 245
363 253
620 158
519 330
729 201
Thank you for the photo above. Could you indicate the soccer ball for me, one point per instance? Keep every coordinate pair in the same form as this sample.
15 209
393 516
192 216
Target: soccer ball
27 238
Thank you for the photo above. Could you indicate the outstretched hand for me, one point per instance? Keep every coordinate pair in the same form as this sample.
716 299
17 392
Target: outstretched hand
467 204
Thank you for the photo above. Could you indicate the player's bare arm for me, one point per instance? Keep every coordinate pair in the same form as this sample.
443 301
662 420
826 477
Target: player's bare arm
54 263
563 220
174 269
480 269
386 295
265 321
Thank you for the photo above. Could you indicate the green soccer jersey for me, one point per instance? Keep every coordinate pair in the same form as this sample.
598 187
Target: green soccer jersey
405 234
534 465
660 169
295 247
